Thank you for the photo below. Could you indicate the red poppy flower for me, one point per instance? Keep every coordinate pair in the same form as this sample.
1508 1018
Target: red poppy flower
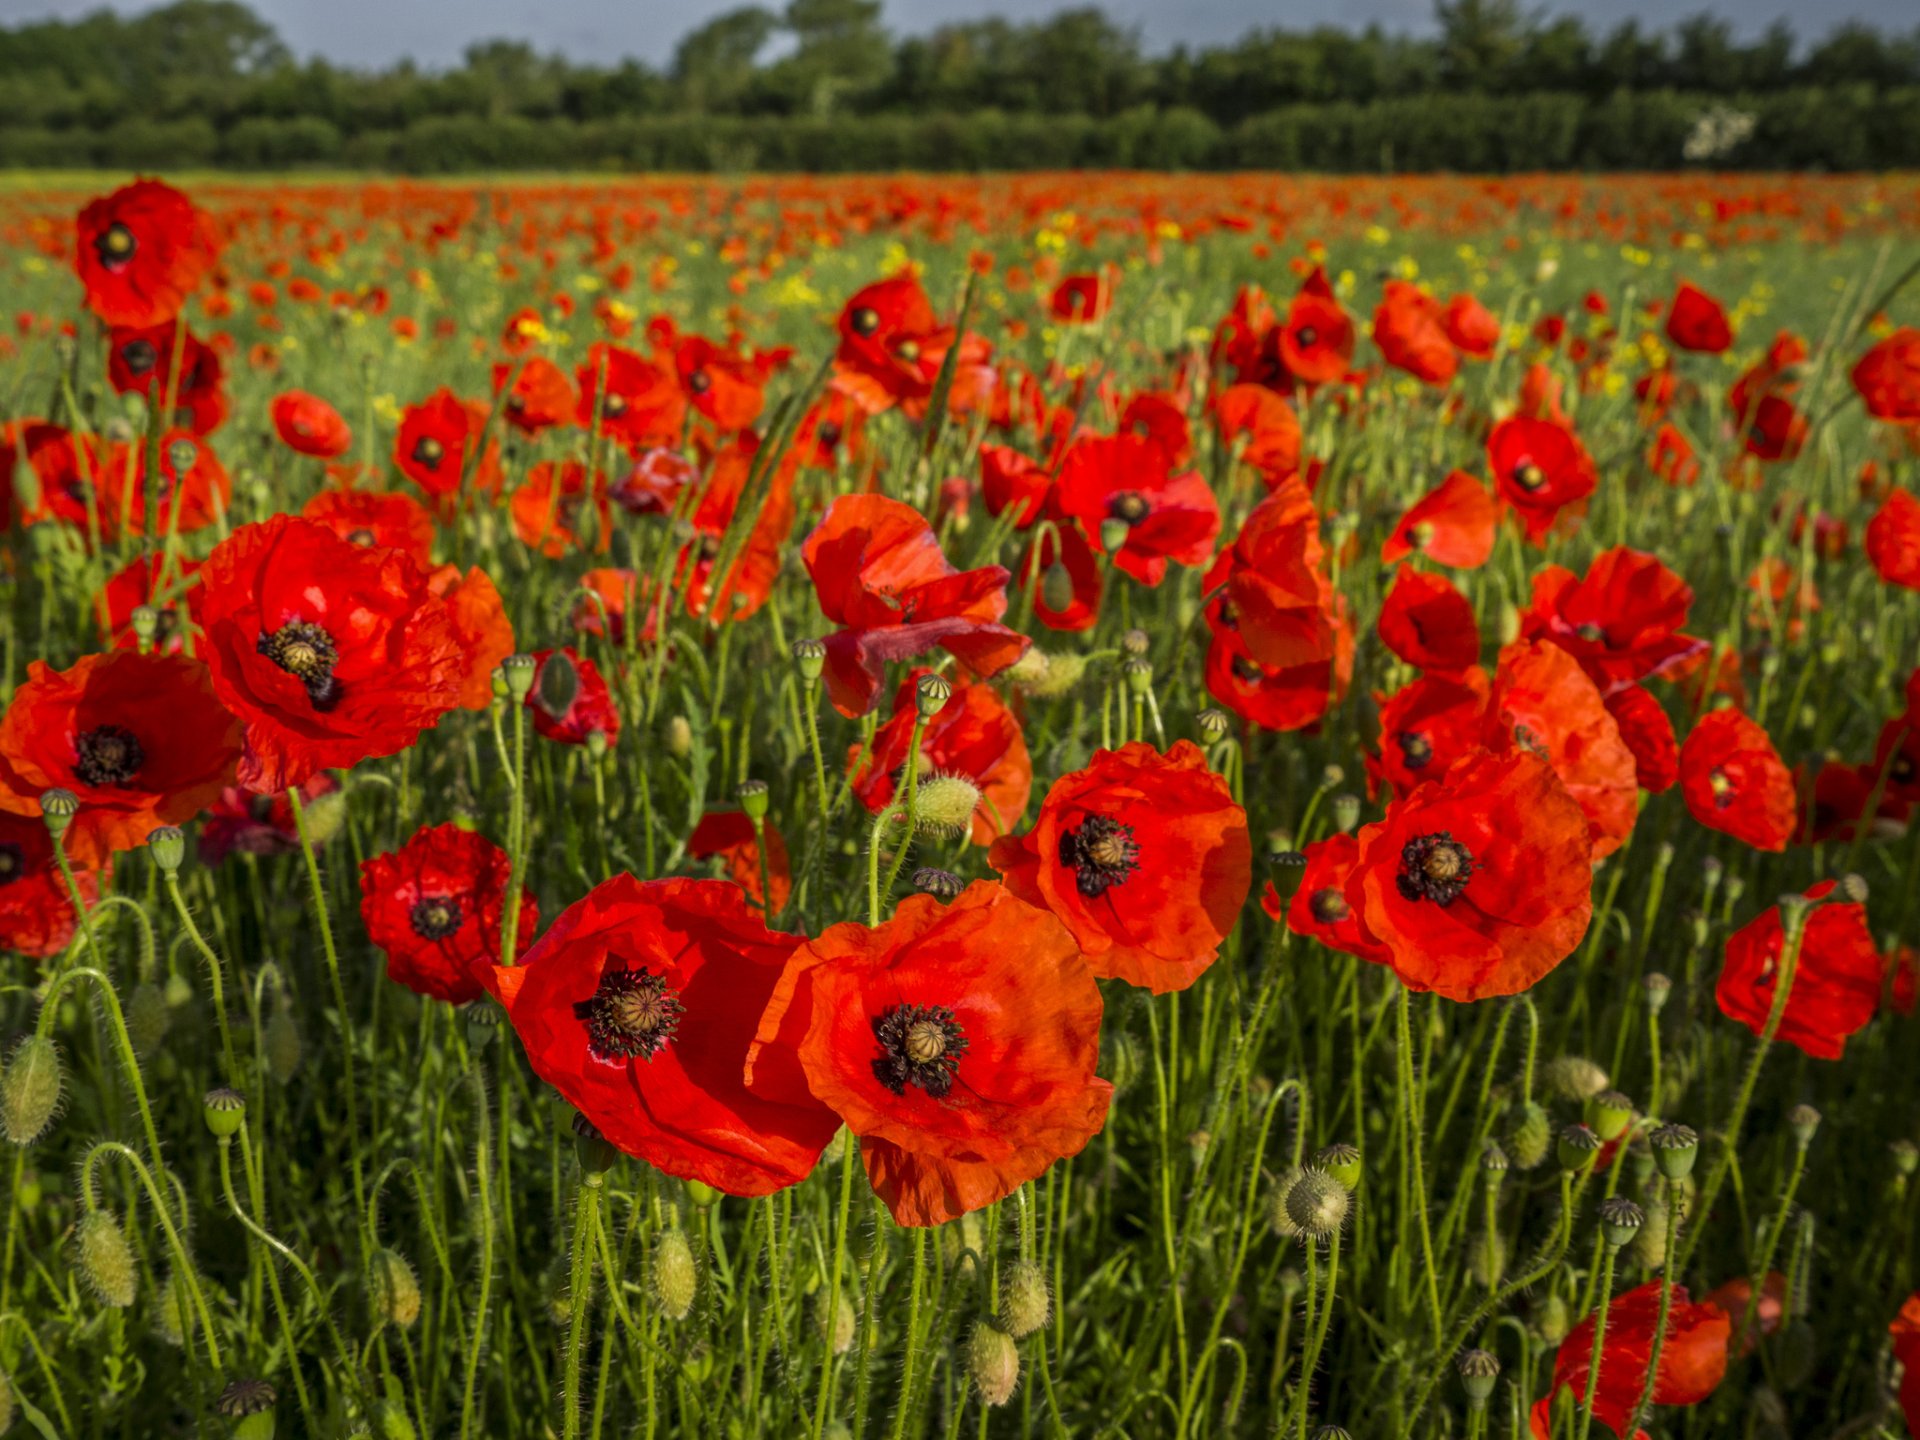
260 824
1544 703
639 1006
973 735
140 360
36 912
139 738
176 601
1474 329
1012 481
1159 417
1407 327
1893 540
1426 726
957 1041
880 575
310 425
1733 781
1906 1349
553 510
1144 857
432 444
1319 908
75 474
1429 624
1693 1358
141 251
1271 586
1888 377
540 398
609 599
1621 621
1478 883
655 482
1268 422
1836 983
1125 479
380 521
1732 1296
435 907
1671 457
330 654
643 405
1451 525
1316 343
1648 733
1540 468
1695 321
891 343
832 431
480 628
1277 697
755 566
570 700
1772 375
718 384
1079 299
729 835
1777 430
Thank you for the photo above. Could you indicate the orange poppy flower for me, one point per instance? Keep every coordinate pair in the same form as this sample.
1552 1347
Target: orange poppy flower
1451 525
1734 781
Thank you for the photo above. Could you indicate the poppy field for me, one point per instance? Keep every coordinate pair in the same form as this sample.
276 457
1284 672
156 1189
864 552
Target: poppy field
1053 806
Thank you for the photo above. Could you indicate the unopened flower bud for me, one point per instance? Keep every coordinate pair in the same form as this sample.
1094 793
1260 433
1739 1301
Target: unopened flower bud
1056 587
1024 1302
930 695
391 1421
1530 1138
679 737
105 1259
1850 889
993 1361
597 744
674 1277
1675 1147
1574 1077
1655 989
225 1111
393 1290
1551 1321
281 1044
810 658
1479 1373
1318 1204
148 1018
558 685
1620 1220
595 1154
1905 1156
836 1329
945 804
30 1087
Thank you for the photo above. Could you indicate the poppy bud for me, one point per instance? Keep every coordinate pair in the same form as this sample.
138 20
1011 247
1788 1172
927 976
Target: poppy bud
1479 1372
173 1312
1212 723
1346 812
1532 1134
1120 1059
1675 1147
1061 674
1650 1244
1620 1220
1551 1321
754 798
249 1404
1609 1113
930 695
1487 1258
993 1362
147 1018
391 1422
810 658
1573 1077
945 804
1803 1120
700 1193
596 744
1318 1204
146 624
941 884
1024 1302
105 1259
1113 535
225 1111
393 1291
1198 1143
1850 889
1655 989
282 1045
679 737
559 684
326 814
57 809
674 1277
1333 775
1056 585
839 1334
1029 670
30 1086
518 671
168 846
1341 1161
1279 1214
1509 622
590 1147
1576 1147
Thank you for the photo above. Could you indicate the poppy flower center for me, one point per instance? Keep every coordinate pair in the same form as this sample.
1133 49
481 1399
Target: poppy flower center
140 356
1900 772
829 434
360 537
919 1045
1434 867
1247 670
13 863
631 1016
616 405
307 653
1529 476
1102 853
108 755
1130 506
115 246
1722 788
1329 906
1307 336
1420 534
908 350
864 321
1590 632
699 382
1415 749
435 917
428 451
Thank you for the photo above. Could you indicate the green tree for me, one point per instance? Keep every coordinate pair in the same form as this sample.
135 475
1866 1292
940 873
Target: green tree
713 66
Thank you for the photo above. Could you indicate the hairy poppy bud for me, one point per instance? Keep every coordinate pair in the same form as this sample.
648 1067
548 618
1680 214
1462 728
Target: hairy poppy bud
281 1042
1062 673
173 1313
1341 1161
147 1017
930 695
1318 1204
325 815
1479 1372
1905 1156
941 884
944 805
393 1291
810 658
30 1086
1530 1138
168 846
679 737
225 1111
1574 1077
835 1329
1056 587
249 1404
1609 1113
57 809
178 991
1620 1220
1551 1321
1120 1059
391 1421
105 1259
1675 1148
1803 1120
1024 1302
559 684
1850 889
675 1277
1576 1147
1650 1244
993 1362
754 798
1029 669
518 671
1487 1258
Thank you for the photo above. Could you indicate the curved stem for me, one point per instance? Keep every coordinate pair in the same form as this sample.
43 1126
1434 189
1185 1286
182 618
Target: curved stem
183 1262
215 974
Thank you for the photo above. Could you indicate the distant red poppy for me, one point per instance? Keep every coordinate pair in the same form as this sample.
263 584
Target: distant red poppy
1693 1358
880 575
1426 726
1320 908
379 521
891 343
195 489
540 397
1734 781
480 628
1893 540
642 405
310 425
1271 429
1544 703
1672 458
435 907
1316 343
1010 481
36 912
1773 374
1621 620
330 654
1452 525
1407 327
639 1005
974 735
141 251
718 384
139 738
140 361
432 446
1696 321
1777 430
1540 468
1144 857
176 601
610 598
1836 983
570 699
1648 733
957 1041
1474 329
1160 517
729 835
258 824
1160 417
1888 377
558 510
1080 299
1429 624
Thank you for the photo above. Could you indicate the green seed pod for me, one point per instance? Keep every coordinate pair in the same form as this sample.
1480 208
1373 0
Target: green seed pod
105 1260
518 672
1139 676
840 1332
810 658
30 1089
1675 1147
679 737
249 1404
147 1018
993 1363
1113 535
1346 812
225 1111
1531 1137
168 846
282 1045
1576 1147
1318 1204
1341 1161
1609 1113
57 809
597 745
675 1277
1620 1220
1575 1078
1479 1373
754 798
1024 1301
393 1291
1213 723
945 805
930 695
701 1194
1551 1321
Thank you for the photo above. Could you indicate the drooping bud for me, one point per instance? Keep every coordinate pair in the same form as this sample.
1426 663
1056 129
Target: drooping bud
1063 672
1530 1138
1056 587
173 1313
105 1260
225 1112
1575 1078
393 1290
1675 1148
168 846
559 684
1850 889
1024 1302
1487 1258
1551 1321
1121 1062
1650 1244
147 1017
675 1277
993 1363
30 1088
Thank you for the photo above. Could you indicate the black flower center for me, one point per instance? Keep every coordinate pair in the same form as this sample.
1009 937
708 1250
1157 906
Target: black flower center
1416 750
435 917
631 1016
919 1045
1307 336
13 862
1434 867
829 434
307 653
699 382
1722 787
139 356
1102 853
616 406
109 755
115 246
1529 476
1130 506
428 451
1329 906
1247 670
864 321
1900 772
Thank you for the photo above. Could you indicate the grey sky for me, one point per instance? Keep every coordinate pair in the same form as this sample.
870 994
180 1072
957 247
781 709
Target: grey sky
434 32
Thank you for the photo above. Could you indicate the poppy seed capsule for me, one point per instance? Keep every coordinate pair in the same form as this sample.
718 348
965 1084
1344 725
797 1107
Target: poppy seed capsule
1656 988
1620 1220
1212 723
1609 1113
1675 1148
810 658
930 695
225 1112
754 798
105 1259
993 1362
249 1404
1024 1303
1341 1161
1479 1372
1113 534
57 809
1576 1147
674 1276
944 805
1318 1204
1346 812
168 846
393 1291
146 623
518 672
30 1087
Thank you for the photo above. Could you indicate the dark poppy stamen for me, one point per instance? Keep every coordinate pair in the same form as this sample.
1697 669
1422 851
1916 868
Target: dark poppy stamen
435 917
1416 750
13 862
615 405
1130 506
1435 867
1722 788
699 382
429 452
1329 906
307 653
919 1045
140 356
1307 336
1102 853
631 1016
115 245
864 321
1247 670
829 434
108 755
1529 476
